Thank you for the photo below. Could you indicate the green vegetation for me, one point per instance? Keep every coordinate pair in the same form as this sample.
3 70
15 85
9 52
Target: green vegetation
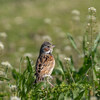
72 27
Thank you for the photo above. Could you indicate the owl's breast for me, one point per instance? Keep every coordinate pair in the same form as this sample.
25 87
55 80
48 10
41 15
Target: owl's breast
52 64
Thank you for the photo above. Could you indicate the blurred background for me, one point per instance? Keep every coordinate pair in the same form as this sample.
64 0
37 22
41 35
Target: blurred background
25 24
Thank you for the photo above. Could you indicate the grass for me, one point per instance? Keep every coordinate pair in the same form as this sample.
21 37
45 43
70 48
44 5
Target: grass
29 23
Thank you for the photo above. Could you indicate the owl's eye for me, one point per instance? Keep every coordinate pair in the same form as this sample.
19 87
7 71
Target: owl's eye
48 46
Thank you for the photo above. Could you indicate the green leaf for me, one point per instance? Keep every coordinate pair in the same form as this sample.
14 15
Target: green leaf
79 96
72 42
72 64
96 43
61 67
94 74
60 63
4 78
39 85
20 65
57 71
3 94
58 81
89 59
84 44
29 67
86 65
15 74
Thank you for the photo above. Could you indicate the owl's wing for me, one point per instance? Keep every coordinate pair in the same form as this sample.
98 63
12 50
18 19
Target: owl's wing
44 65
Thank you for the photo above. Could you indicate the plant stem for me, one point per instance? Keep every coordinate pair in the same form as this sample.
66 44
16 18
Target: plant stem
71 74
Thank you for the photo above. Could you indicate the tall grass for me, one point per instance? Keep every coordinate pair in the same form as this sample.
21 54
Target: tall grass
69 84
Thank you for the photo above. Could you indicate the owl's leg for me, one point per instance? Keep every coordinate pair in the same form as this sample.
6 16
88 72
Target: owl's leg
50 83
48 77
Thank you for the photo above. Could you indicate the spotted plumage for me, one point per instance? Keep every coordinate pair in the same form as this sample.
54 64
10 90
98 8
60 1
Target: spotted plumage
45 62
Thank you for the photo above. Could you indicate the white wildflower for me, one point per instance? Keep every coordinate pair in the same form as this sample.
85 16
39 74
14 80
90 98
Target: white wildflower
13 88
28 55
91 9
87 75
98 68
46 38
3 34
47 20
88 24
98 79
75 12
7 64
93 98
67 59
87 43
15 98
93 18
1 46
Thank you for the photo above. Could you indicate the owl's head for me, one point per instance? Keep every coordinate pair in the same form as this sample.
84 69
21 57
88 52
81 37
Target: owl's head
46 48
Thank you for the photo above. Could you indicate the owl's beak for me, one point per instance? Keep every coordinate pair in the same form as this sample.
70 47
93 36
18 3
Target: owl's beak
53 46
